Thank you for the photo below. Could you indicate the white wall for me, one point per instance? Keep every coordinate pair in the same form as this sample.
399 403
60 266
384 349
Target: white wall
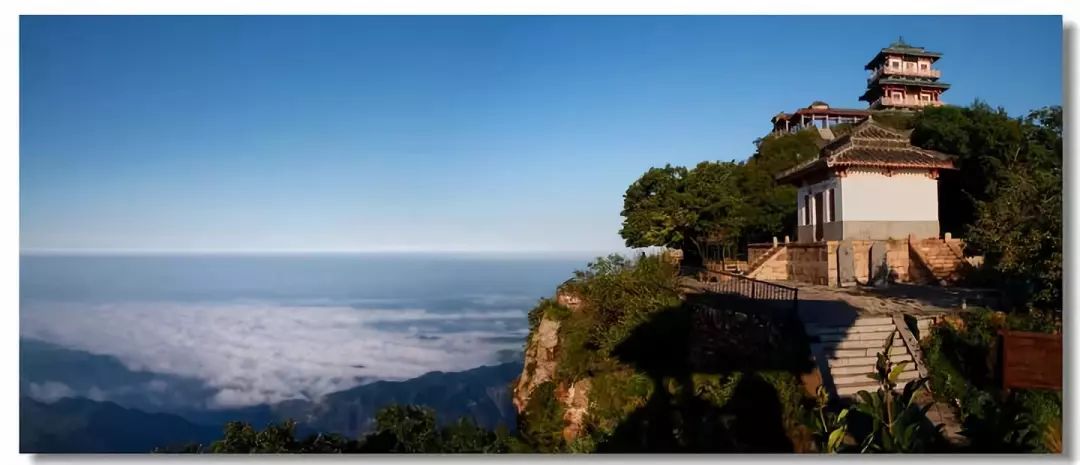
904 196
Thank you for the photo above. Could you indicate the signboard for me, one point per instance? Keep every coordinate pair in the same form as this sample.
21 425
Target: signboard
1031 360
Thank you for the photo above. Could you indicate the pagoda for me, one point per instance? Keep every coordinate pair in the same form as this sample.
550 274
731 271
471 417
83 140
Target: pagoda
902 77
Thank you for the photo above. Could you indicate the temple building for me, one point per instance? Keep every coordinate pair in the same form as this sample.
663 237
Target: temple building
819 115
903 77
867 204
870 184
867 212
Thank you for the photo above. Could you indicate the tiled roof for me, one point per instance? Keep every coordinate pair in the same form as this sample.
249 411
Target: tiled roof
901 48
833 111
872 146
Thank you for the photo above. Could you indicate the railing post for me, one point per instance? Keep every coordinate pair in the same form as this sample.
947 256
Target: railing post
753 290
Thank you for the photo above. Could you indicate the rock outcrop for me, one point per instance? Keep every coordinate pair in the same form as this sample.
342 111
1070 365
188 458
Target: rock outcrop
539 361
575 402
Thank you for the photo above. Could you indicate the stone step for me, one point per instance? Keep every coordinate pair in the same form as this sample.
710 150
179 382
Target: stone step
857 344
861 378
846 353
864 360
872 386
817 330
851 370
875 336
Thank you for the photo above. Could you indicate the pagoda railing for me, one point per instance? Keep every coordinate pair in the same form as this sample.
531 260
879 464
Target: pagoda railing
929 73
905 102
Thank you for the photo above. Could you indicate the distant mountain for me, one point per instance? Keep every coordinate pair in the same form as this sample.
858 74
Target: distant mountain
80 425
72 425
481 393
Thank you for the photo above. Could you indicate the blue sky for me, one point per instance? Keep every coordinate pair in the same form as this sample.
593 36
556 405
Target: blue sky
433 133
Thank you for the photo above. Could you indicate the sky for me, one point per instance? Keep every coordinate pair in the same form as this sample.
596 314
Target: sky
458 133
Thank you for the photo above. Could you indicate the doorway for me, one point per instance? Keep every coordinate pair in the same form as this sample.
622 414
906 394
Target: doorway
819 216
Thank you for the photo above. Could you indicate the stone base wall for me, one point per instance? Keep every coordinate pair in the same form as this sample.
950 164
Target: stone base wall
887 230
807 263
816 263
812 263
896 257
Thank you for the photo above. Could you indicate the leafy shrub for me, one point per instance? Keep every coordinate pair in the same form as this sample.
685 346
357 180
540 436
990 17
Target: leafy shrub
541 423
962 373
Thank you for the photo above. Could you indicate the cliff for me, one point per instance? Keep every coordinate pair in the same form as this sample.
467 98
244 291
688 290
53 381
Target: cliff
612 364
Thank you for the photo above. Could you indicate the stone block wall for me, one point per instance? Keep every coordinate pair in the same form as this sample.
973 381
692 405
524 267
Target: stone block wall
896 257
810 263
816 263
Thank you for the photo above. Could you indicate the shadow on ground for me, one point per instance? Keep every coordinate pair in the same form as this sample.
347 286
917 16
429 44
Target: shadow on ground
744 343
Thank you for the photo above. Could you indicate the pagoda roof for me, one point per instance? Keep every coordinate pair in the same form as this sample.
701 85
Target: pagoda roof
833 111
869 145
902 48
874 90
822 108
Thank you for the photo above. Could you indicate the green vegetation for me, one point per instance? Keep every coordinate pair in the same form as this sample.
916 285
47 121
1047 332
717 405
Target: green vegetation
960 359
634 339
1006 197
732 203
408 429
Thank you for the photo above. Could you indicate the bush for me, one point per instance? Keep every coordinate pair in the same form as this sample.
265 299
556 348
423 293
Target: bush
962 373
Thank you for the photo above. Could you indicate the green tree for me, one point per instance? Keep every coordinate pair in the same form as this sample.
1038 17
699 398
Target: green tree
403 428
655 209
714 195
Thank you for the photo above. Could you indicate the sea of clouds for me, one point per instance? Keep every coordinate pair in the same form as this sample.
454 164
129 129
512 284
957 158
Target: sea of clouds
252 353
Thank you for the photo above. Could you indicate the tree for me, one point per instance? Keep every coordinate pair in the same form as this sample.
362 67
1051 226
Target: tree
980 138
1019 225
403 428
655 210
714 196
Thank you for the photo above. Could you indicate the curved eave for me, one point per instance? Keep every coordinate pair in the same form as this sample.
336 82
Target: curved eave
797 172
909 82
933 56
792 175
939 165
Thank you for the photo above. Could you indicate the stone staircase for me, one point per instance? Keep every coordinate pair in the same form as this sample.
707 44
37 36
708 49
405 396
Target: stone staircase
937 258
846 353
754 266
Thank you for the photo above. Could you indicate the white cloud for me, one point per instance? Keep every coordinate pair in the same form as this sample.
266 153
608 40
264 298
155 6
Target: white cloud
49 391
256 352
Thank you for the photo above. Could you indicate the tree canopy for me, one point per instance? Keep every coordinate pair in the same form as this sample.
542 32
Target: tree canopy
730 203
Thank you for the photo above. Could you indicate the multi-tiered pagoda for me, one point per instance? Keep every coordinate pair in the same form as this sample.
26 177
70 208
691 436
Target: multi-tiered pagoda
903 77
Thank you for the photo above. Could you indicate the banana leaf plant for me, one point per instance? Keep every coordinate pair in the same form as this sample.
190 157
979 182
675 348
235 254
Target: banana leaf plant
899 424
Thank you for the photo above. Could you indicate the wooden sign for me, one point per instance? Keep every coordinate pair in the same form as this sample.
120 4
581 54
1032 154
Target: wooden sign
1031 360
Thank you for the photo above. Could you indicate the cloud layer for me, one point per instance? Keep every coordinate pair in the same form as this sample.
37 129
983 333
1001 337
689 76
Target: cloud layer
254 352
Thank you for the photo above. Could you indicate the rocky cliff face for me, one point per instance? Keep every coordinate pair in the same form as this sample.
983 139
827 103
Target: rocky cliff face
541 361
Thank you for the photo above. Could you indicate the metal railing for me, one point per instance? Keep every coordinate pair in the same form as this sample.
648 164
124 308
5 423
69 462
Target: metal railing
722 283
735 284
